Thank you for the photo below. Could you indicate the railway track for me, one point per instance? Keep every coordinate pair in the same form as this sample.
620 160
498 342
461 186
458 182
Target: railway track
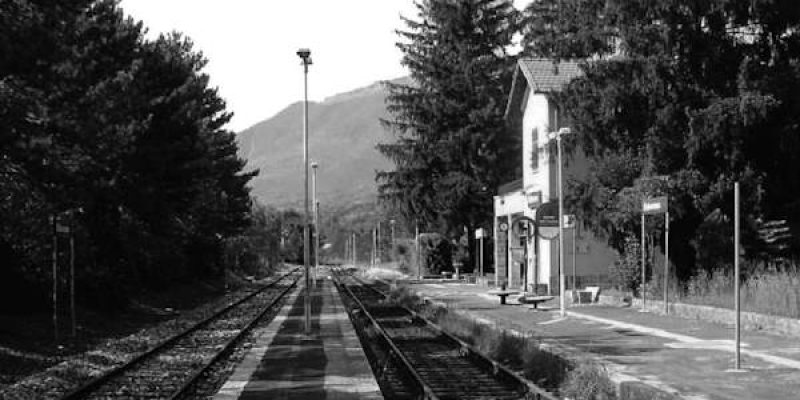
170 369
417 359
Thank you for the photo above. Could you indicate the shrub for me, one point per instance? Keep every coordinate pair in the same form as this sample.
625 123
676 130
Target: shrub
655 287
544 368
589 381
405 254
436 253
404 297
626 271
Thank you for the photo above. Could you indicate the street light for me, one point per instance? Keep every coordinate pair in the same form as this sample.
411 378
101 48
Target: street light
561 284
315 203
305 56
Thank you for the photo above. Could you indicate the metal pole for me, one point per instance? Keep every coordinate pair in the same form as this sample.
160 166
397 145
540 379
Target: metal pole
55 278
644 245
72 278
315 204
509 259
736 272
378 251
480 255
561 284
666 262
392 226
419 256
574 256
495 249
354 249
316 240
306 217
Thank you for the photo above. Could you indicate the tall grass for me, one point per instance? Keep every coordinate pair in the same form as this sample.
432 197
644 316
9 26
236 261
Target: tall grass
762 291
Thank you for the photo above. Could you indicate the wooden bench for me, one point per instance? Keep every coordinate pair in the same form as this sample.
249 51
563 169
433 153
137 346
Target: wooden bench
535 300
502 294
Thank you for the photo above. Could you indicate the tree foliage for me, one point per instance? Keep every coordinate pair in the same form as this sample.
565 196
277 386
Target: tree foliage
699 95
451 149
123 134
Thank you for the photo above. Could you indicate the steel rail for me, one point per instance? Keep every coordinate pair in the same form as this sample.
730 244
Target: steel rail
532 390
426 391
229 345
92 385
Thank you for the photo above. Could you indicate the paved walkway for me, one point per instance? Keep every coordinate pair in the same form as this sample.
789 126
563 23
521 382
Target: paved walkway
287 364
690 358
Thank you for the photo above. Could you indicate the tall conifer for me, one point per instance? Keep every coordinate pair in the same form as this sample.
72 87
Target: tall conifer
451 149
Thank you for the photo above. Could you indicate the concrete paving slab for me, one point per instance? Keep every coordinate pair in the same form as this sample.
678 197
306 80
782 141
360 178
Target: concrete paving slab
287 364
688 358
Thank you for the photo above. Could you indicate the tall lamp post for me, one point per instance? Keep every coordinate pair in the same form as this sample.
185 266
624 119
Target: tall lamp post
561 283
315 203
305 56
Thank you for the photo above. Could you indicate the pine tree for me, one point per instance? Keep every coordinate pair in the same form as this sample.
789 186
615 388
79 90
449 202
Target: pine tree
567 29
451 149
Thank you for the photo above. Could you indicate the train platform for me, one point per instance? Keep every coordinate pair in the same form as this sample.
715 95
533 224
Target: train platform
285 363
684 358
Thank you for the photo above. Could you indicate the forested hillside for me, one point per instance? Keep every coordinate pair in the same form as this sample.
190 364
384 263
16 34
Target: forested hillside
343 132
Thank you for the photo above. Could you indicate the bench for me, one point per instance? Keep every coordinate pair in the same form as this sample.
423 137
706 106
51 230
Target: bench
502 294
535 300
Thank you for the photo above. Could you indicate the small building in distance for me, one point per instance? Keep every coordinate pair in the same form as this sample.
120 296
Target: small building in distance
523 260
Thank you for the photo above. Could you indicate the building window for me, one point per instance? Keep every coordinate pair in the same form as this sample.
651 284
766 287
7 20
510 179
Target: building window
535 149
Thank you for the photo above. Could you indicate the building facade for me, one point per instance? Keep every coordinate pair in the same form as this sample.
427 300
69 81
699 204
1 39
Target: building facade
524 260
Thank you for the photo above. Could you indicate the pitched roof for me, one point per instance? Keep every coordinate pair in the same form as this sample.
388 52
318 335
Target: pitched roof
509 187
544 75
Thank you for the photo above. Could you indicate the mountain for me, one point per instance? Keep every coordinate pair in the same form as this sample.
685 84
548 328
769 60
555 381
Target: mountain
343 132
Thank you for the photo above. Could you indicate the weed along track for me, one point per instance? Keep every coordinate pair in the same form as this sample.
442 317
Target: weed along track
171 369
414 358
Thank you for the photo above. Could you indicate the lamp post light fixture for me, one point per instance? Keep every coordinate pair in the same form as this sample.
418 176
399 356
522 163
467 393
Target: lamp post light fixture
561 284
305 56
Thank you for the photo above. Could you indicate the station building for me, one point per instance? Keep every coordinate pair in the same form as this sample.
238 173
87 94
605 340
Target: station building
523 260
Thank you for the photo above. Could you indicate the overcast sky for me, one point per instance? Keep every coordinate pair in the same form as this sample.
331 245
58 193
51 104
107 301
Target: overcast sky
251 46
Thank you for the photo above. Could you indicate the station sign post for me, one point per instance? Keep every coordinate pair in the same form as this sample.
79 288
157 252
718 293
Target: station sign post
656 206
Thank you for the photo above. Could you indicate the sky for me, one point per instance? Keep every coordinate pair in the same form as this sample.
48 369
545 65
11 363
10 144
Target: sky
251 46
